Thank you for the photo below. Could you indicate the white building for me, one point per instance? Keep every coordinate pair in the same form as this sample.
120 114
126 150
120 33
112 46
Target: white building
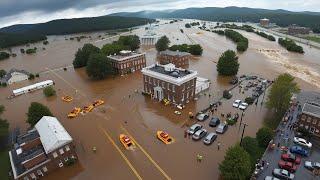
150 38
14 76
202 84
32 87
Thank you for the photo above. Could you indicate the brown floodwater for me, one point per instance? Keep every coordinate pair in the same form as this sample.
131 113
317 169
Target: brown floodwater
140 116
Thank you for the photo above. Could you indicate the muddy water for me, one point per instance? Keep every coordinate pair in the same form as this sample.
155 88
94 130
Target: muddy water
139 115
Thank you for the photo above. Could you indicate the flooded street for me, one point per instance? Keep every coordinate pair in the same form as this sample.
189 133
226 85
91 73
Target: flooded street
139 116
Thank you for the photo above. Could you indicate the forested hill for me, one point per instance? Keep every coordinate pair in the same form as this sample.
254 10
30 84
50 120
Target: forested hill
65 26
280 17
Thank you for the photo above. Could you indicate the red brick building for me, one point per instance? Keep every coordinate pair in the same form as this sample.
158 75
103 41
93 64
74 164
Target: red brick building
179 59
294 29
41 150
310 118
127 62
168 82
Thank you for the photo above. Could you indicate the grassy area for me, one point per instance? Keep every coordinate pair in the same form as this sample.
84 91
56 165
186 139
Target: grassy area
313 38
4 164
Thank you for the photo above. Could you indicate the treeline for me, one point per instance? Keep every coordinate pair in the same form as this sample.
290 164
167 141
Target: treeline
15 39
290 45
262 34
4 55
188 25
242 42
194 49
21 34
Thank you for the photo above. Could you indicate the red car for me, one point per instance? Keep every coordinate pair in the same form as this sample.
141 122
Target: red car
289 166
291 158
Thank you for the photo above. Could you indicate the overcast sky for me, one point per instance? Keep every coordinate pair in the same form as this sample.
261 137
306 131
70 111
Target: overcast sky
35 11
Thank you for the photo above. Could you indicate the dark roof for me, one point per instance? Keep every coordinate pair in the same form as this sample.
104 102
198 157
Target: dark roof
177 73
312 109
308 96
8 75
31 135
174 53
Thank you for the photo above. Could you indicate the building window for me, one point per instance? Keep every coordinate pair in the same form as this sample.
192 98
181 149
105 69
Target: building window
162 84
33 176
183 87
39 172
45 169
309 119
55 155
61 151
60 164
25 178
168 86
303 117
67 148
173 88
314 121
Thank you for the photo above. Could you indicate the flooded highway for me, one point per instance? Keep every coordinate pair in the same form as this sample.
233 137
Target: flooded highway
127 111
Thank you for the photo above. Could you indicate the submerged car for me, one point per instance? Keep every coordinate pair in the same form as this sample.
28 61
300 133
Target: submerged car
209 139
302 142
199 134
194 128
215 121
222 128
282 174
289 166
236 103
202 117
299 150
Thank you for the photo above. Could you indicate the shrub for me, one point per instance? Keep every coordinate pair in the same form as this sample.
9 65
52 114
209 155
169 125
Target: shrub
228 64
264 136
36 111
49 91
31 76
4 55
249 100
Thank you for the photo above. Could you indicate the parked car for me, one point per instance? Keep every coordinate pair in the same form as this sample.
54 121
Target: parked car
222 128
299 150
289 166
194 128
202 116
243 106
291 158
215 121
311 165
270 178
282 174
234 81
209 139
302 142
199 134
236 103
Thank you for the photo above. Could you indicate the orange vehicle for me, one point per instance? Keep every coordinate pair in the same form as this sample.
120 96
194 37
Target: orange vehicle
74 113
98 102
164 137
67 98
126 141
87 109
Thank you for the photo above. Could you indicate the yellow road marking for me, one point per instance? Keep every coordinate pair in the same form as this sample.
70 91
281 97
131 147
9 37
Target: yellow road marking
121 153
147 155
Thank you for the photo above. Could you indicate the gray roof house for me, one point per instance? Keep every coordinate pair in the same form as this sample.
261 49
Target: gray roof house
14 76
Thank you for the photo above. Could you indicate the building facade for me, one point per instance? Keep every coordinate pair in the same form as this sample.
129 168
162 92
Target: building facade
41 150
310 118
179 59
166 82
293 30
127 62
15 76
265 22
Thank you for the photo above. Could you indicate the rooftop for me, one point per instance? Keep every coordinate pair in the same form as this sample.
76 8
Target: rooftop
52 133
170 70
8 76
124 55
29 136
312 109
174 53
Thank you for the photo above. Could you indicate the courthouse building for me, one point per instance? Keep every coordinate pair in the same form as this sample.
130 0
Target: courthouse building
179 59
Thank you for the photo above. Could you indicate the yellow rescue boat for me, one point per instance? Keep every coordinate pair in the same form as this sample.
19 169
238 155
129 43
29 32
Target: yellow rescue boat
164 137
87 109
74 113
98 102
126 141
67 98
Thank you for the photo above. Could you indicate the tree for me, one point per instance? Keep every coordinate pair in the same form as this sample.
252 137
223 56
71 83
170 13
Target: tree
31 77
49 91
111 49
264 136
82 55
250 145
131 41
228 64
195 49
236 164
4 125
98 66
4 55
187 25
36 111
2 109
2 73
281 92
162 44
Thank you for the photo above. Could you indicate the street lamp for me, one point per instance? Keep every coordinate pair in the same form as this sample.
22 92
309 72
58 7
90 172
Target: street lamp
242 113
244 127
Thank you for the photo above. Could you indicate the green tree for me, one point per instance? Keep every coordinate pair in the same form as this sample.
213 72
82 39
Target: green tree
251 145
98 66
131 41
82 55
281 92
2 73
162 44
4 55
4 125
49 91
264 136
111 49
236 164
228 64
187 25
195 49
36 111
31 51
31 77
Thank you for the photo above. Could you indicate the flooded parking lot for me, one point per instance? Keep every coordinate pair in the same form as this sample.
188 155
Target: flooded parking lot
139 116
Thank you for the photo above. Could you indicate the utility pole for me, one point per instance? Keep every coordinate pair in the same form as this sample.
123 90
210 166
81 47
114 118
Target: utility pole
244 127
241 119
